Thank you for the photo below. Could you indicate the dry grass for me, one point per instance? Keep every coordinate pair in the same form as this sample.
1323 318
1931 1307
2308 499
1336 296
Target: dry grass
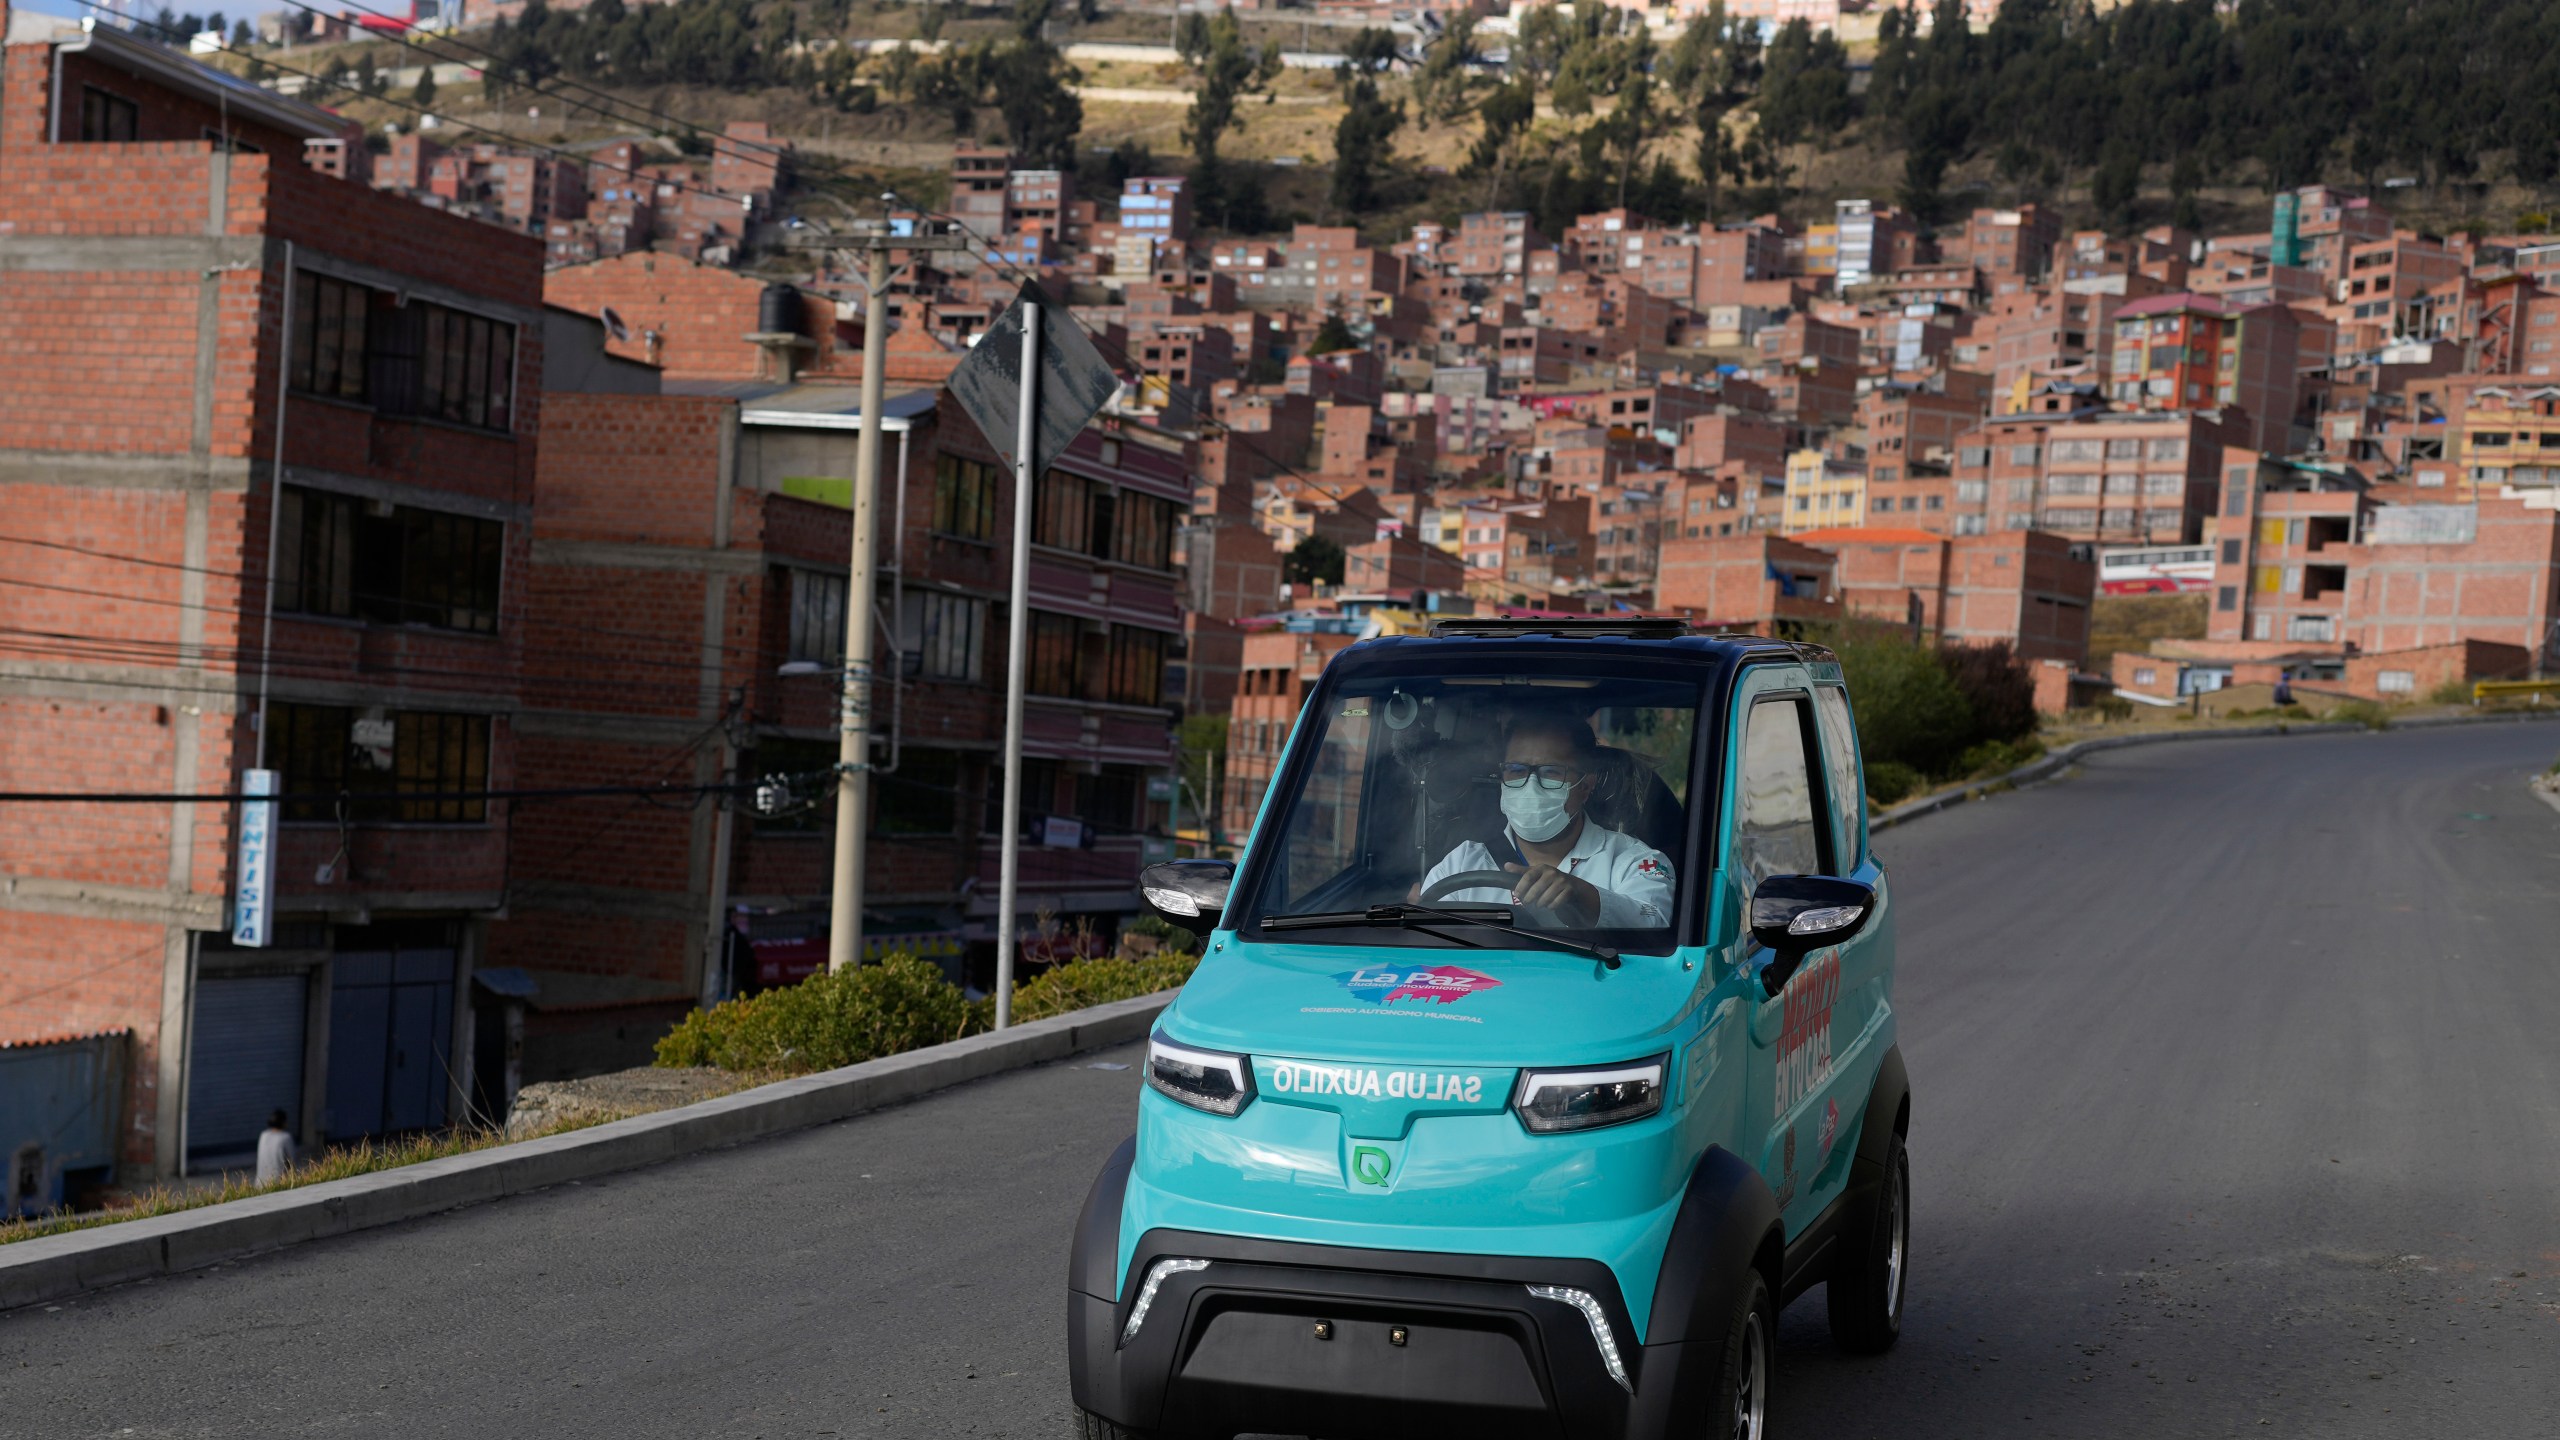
363 1158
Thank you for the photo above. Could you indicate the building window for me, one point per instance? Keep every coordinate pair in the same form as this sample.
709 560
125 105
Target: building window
811 764
2395 682
2227 598
1064 515
945 635
2122 449
421 359
1110 800
2170 484
108 119
2146 676
964 497
412 766
1051 666
920 797
1143 534
342 556
817 617
329 325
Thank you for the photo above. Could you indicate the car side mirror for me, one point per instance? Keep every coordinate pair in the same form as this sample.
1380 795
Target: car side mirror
1188 894
1795 915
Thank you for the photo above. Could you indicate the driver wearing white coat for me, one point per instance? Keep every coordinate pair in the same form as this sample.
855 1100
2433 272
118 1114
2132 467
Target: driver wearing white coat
1586 874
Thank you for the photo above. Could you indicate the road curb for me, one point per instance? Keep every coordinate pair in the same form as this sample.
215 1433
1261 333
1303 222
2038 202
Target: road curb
56 1266
2059 760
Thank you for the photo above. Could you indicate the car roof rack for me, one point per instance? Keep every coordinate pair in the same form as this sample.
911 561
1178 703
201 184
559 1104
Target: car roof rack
1631 627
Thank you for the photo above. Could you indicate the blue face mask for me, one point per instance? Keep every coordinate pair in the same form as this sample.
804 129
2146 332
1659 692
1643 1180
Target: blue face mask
1536 812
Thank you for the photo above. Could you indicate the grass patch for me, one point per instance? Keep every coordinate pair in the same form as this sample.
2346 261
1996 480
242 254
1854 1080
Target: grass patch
340 1163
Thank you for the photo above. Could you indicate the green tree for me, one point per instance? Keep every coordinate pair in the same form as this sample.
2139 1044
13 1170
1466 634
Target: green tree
1201 751
1364 140
423 95
929 17
1228 72
1313 561
1041 115
1332 335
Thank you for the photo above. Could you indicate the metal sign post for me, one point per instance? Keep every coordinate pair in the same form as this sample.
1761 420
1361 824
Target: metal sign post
1031 388
1017 631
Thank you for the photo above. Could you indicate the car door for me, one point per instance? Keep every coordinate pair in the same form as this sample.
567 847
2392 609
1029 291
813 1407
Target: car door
1780 827
1861 1028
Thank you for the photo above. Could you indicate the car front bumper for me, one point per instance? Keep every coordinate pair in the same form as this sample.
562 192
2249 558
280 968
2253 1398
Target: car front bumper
1289 1338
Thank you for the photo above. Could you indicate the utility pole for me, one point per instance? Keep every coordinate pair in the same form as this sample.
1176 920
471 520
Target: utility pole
853 743
853 747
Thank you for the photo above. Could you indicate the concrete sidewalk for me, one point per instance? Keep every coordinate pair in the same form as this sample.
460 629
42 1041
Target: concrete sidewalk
32 1271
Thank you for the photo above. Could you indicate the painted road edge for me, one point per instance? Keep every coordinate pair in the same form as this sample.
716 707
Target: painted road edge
2054 763
57 1266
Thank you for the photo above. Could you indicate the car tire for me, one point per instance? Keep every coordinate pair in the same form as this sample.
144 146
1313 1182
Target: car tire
1740 1409
1090 1426
1866 1290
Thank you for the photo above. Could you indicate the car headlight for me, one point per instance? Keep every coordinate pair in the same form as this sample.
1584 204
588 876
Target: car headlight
1210 1080
1555 1100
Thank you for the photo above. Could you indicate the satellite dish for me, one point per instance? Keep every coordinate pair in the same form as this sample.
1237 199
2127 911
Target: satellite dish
613 325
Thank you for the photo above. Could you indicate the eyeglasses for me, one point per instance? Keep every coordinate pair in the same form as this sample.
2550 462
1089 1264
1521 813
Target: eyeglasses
1513 774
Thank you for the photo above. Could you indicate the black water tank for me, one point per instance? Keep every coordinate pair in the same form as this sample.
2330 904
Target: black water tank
778 312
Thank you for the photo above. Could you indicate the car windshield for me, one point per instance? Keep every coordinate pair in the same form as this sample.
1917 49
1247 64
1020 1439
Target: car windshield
1560 798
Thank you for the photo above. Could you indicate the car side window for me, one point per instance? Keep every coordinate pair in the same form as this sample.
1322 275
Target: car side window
1840 758
1774 831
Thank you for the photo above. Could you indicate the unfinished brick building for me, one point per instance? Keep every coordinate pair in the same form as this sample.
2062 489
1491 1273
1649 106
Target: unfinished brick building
141 467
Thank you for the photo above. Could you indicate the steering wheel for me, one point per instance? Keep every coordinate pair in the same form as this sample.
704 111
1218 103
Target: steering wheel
1503 880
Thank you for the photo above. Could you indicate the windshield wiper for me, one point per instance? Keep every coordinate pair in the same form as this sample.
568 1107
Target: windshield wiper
1404 916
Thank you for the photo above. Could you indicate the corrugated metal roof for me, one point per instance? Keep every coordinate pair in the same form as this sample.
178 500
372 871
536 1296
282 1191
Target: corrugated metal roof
65 1039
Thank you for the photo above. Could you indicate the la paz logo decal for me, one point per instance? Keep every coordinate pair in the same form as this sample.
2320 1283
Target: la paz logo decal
1439 984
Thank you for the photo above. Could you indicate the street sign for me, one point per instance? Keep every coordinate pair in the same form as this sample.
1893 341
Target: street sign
1074 382
253 900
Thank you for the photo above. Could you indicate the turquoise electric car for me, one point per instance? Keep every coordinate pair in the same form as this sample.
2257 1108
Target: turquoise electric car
1542 1051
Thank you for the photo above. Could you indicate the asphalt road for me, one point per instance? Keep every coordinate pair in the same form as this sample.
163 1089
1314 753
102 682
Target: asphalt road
2236 1112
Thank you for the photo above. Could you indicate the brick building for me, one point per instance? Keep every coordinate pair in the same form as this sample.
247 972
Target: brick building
1279 667
384 439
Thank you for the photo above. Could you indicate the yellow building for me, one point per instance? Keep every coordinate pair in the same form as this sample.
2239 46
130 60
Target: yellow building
1823 492
2506 435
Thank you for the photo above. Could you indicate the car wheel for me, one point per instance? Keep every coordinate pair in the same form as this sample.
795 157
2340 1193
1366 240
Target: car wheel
1742 1381
1090 1426
1866 1291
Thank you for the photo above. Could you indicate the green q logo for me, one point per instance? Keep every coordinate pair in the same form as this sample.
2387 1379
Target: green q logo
1369 1165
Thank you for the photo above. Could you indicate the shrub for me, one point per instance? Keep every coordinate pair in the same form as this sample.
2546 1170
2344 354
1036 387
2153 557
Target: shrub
1996 688
2112 707
1910 711
1998 757
2360 712
827 1020
2456 691
901 1003
1890 780
1080 983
